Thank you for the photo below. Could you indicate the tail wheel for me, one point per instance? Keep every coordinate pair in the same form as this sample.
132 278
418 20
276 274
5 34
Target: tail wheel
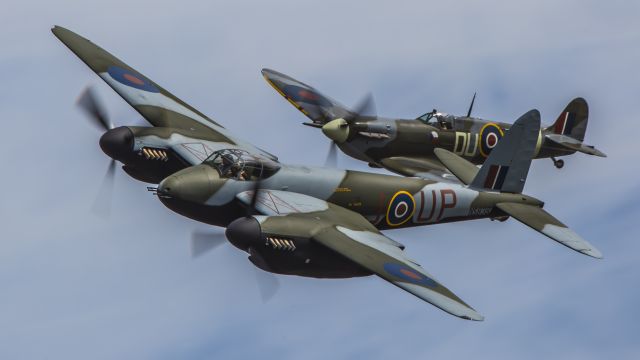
559 163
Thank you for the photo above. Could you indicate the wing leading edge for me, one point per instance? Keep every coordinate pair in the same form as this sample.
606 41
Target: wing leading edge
158 106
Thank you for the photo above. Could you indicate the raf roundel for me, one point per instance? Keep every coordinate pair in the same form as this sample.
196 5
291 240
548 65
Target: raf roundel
132 79
401 208
407 274
490 134
300 94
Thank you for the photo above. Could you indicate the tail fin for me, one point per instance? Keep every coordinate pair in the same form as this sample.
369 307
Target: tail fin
569 130
316 106
572 120
507 166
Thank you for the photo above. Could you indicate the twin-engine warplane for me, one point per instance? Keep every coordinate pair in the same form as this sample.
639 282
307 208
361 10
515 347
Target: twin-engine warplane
406 146
300 220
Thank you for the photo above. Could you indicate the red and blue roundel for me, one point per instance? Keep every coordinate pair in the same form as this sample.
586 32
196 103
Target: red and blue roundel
309 96
409 275
401 208
490 134
132 79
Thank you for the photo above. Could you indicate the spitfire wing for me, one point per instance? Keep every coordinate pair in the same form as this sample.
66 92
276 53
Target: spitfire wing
316 106
426 168
158 106
351 235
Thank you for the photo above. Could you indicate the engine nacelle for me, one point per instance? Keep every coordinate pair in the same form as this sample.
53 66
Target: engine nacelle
145 163
279 245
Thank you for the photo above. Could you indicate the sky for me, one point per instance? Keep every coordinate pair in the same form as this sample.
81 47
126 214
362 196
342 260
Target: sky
76 285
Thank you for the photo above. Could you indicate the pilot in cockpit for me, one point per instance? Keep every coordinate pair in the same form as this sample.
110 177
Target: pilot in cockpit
234 169
435 118
240 165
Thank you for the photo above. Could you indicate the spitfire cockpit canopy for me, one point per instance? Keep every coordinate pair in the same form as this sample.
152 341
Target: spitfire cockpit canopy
438 119
241 165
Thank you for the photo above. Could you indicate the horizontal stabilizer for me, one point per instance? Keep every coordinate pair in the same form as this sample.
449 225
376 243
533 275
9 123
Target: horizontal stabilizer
461 168
542 221
575 145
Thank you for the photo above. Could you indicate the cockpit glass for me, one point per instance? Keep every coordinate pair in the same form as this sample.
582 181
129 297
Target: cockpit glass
241 165
438 119
426 118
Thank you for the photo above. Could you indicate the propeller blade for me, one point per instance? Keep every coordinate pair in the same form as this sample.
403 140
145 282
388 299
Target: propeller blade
268 284
365 107
252 205
102 203
203 242
332 155
88 101
471 106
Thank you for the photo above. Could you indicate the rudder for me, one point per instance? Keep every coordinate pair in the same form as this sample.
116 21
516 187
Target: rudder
572 121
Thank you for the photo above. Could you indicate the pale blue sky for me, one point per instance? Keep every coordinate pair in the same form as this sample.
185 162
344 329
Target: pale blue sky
77 286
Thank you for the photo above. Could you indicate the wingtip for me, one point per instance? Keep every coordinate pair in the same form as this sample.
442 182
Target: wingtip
472 315
60 31
266 72
593 252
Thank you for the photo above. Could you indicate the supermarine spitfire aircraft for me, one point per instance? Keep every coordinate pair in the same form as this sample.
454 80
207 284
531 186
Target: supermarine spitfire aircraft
299 220
406 146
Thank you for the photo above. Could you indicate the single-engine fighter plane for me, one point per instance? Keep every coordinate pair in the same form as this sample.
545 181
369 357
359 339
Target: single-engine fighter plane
406 146
313 222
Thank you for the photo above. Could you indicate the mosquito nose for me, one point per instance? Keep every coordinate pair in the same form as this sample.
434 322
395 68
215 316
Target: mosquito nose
195 184
117 143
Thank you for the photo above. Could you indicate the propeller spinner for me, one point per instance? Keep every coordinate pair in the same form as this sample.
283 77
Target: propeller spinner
338 130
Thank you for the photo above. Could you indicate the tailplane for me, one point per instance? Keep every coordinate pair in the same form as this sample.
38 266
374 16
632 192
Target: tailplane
570 128
543 222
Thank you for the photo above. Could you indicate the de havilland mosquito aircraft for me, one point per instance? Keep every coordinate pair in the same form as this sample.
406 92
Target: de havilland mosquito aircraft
406 146
299 220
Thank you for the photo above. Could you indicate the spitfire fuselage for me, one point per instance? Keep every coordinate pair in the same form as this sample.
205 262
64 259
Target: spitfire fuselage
470 138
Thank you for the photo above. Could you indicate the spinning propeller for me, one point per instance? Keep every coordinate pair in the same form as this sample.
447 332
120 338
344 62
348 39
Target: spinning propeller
115 142
93 108
338 130
203 242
